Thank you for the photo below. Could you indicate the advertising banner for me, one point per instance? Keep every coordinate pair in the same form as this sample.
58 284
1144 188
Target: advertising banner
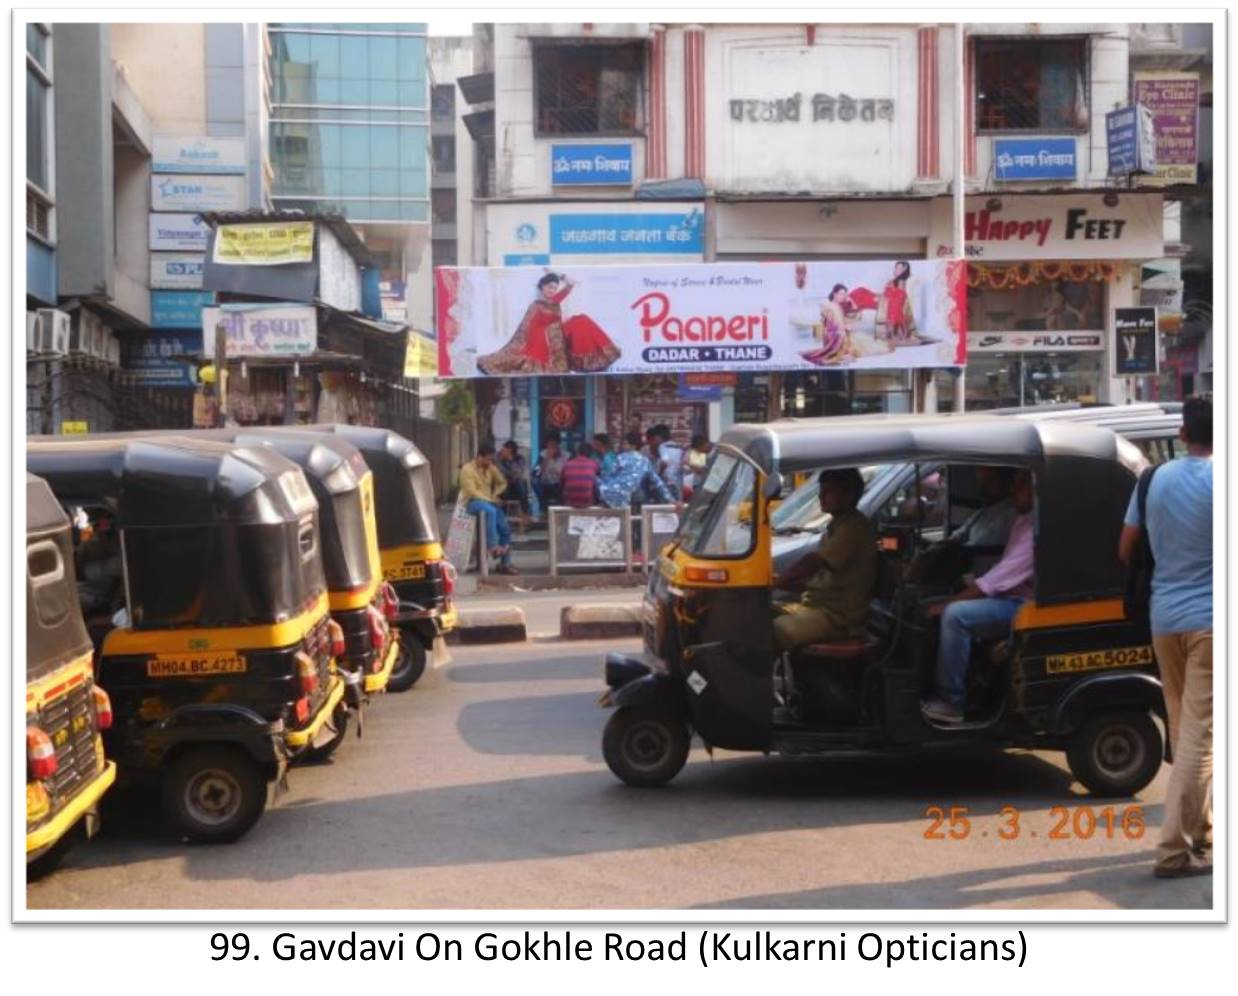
266 329
171 309
1136 334
264 244
178 233
862 315
196 193
176 270
1173 99
1034 158
590 165
174 154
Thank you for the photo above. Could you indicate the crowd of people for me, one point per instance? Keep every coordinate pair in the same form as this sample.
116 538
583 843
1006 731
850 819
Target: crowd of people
644 468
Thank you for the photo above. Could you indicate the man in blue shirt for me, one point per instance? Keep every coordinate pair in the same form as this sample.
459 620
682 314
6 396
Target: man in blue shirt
1179 524
632 476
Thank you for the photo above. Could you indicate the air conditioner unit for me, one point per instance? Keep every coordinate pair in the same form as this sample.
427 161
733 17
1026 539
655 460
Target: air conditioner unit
82 333
113 350
32 323
98 348
52 332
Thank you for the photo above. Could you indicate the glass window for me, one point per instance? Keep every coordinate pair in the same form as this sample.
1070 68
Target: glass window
1005 380
36 44
326 92
729 532
1031 85
356 182
354 57
325 54
37 93
385 183
588 89
1043 306
412 183
383 93
443 150
383 60
355 93
384 147
413 148
412 59
443 99
330 150
412 94
356 146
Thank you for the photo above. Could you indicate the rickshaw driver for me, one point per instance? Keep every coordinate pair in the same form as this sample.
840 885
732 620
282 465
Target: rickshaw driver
985 606
838 577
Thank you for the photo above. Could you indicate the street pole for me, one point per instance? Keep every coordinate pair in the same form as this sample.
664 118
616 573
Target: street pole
221 374
960 144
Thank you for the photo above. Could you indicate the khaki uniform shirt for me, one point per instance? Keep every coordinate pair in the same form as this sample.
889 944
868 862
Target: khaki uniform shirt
486 484
843 588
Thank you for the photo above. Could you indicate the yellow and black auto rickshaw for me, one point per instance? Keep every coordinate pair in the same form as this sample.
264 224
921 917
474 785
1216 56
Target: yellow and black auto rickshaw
214 644
1072 674
409 544
66 712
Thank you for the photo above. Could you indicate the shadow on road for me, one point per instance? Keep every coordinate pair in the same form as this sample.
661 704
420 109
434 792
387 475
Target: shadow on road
557 668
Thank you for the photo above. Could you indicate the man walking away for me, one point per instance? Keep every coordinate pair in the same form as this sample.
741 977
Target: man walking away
1178 525
580 479
481 483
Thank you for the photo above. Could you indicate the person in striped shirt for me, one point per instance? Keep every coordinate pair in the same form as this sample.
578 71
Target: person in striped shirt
579 479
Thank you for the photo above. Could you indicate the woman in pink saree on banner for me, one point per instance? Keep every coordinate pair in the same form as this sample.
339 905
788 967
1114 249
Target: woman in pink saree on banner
841 342
546 343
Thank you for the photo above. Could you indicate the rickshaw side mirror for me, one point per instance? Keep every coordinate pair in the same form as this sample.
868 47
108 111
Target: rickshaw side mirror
773 485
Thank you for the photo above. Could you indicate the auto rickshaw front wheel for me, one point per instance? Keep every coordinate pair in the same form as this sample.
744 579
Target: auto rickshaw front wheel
1116 753
214 794
410 662
645 747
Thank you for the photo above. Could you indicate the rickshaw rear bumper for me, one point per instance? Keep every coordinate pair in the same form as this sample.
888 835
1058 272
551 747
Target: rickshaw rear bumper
638 680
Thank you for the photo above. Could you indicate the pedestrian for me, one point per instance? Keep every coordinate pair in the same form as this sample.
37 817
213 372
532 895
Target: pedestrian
580 479
604 453
671 456
632 477
1176 524
548 472
481 484
515 470
694 465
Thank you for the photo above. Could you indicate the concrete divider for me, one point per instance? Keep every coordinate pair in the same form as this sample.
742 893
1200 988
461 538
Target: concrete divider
505 625
599 622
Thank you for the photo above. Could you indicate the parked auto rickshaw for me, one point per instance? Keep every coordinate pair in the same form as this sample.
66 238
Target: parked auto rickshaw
66 712
1074 674
411 551
218 654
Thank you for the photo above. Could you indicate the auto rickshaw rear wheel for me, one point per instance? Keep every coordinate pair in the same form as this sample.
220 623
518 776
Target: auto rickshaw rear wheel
214 794
645 747
339 720
410 662
1116 753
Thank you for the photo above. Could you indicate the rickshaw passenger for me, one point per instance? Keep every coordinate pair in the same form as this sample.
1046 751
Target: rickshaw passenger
838 577
990 524
985 607
100 569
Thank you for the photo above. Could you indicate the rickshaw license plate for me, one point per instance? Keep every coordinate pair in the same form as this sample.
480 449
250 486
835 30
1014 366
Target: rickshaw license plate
409 572
191 665
1095 660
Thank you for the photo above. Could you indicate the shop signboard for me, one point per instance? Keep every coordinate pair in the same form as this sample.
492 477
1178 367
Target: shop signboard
266 329
1173 100
175 192
264 244
1034 158
591 165
650 232
1136 352
163 359
176 154
1035 342
546 234
177 309
494 321
1131 140
420 355
1013 227
176 271
178 233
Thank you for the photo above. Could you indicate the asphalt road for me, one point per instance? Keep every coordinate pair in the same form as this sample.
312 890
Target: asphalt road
484 787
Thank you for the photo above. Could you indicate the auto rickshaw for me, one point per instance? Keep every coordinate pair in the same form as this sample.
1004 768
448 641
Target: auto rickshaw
411 551
67 772
1073 674
218 654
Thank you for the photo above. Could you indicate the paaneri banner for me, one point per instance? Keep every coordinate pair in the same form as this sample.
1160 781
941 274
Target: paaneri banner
860 315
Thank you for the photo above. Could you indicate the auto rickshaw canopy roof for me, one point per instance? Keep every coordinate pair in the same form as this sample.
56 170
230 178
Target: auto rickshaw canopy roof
43 513
55 632
166 480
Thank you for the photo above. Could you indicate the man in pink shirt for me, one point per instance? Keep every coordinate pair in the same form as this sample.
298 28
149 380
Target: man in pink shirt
987 606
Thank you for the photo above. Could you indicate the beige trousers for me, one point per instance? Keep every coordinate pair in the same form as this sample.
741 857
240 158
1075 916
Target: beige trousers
798 624
1185 662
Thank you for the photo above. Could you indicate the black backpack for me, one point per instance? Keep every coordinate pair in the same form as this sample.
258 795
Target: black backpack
1138 599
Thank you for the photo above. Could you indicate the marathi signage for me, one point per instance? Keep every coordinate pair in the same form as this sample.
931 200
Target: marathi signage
861 315
1173 100
176 271
173 192
420 355
1131 140
1034 158
163 359
1136 353
266 329
821 107
590 165
173 154
171 309
178 232
1070 226
264 243
653 232
1035 342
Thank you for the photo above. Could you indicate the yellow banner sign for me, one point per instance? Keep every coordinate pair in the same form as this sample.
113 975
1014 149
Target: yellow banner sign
193 665
265 244
74 428
421 356
1095 660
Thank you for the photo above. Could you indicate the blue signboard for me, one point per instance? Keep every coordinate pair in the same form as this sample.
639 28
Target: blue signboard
1034 159
626 234
159 360
178 309
1131 137
590 165
697 392
526 259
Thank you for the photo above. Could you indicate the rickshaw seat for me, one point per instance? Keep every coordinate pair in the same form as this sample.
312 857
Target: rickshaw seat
840 650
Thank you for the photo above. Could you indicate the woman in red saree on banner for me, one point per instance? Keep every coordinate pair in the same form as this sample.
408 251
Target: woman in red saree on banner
895 320
546 343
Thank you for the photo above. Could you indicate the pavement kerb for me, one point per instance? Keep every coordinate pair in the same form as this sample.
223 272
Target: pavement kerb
505 625
599 622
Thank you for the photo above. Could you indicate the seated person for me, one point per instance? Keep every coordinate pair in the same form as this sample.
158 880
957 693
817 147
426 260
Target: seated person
986 607
987 527
515 471
838 577
100 569
579 479
481 483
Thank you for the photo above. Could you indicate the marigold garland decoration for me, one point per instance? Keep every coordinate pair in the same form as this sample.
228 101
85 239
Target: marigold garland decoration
1025 274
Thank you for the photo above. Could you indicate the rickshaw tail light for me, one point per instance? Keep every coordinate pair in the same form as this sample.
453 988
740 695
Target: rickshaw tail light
717 575
391 601
103 708
336 632
307 673
301 709
449 577
378 633
40 754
